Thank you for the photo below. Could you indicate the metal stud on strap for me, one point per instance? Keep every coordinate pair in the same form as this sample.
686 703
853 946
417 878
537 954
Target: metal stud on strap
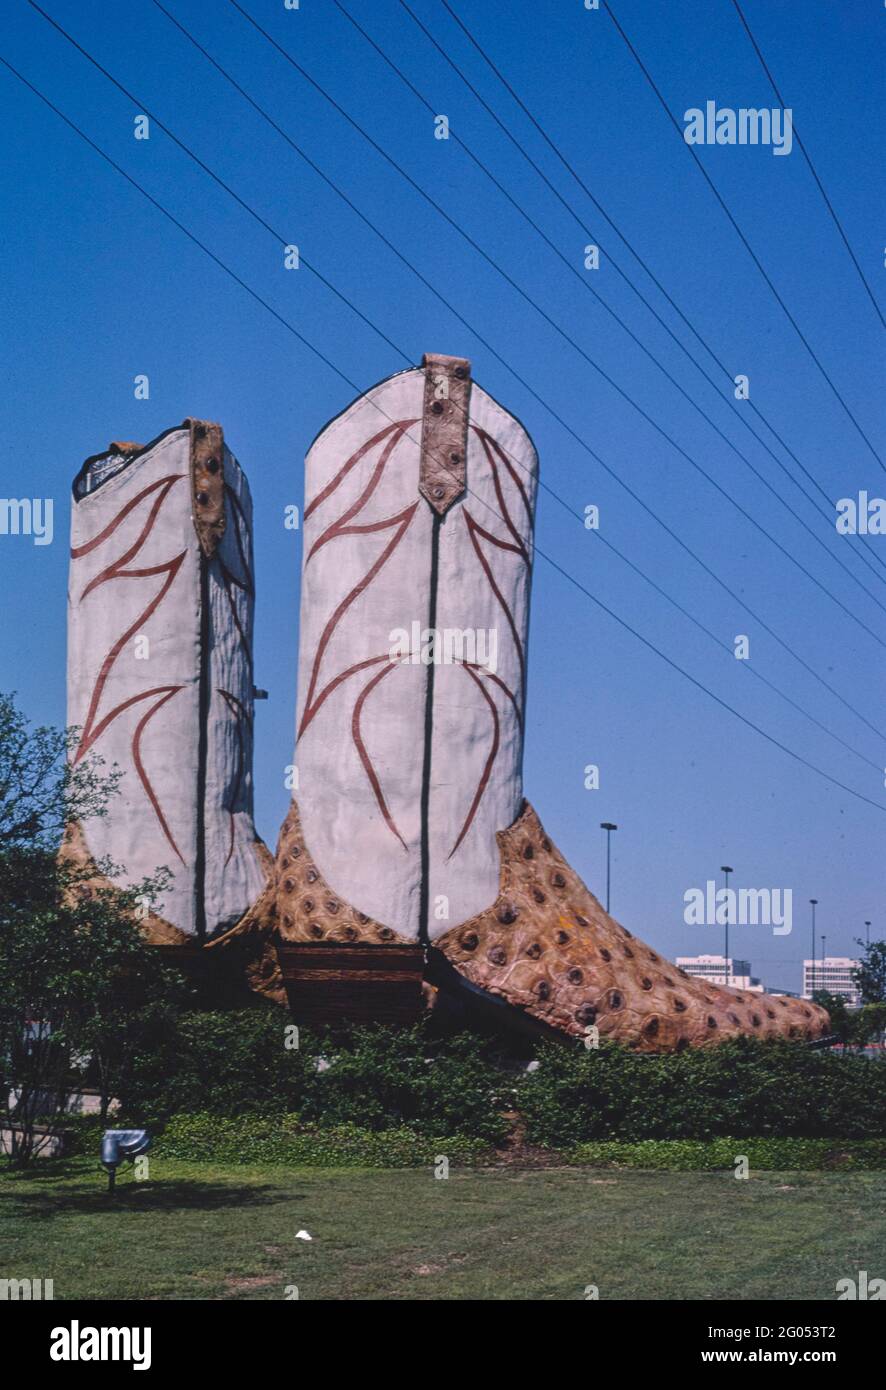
207 483
444 435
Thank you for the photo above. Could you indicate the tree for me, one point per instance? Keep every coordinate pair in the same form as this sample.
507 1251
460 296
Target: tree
870 1023
853 1027
80 990
40 789
870 974
841 1018
133 999
79 984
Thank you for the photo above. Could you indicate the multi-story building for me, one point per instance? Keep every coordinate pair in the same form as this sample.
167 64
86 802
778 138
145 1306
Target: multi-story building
720 971
833 973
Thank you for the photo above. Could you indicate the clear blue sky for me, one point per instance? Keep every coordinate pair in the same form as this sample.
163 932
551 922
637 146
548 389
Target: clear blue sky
100 287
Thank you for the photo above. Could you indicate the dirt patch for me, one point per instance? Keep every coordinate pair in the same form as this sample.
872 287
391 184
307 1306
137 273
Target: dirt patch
235 1284
452 1258
515 1152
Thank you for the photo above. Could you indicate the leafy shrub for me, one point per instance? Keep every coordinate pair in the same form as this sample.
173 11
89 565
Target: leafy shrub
228 1062
284 1139
378 1078
742 1089
692 1156
236 1062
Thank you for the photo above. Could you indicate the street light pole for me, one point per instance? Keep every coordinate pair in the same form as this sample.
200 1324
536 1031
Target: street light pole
727 870
608 826
814 902
867 934
823 954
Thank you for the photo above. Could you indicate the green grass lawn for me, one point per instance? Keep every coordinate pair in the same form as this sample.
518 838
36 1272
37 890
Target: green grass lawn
230 1233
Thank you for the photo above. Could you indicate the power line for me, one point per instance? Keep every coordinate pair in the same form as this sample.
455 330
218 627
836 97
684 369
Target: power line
279 237
796 135
583 225
517 376
744 241
610 380
344 377
551 491
381 151
609 310
827 514
862 553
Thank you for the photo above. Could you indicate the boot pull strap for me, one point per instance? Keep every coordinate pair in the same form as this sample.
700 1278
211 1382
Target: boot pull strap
444 433
207 483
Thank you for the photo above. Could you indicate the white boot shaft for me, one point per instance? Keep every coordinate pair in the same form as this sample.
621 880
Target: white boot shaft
160 612
412 663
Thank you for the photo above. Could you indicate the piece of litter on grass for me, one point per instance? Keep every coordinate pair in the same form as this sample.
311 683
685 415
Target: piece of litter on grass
303 1235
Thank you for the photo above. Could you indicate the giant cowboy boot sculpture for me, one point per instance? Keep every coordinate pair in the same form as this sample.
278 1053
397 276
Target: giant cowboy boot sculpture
160 608
409 824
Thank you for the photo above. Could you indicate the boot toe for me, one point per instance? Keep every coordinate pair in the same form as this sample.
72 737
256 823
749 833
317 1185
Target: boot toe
548 947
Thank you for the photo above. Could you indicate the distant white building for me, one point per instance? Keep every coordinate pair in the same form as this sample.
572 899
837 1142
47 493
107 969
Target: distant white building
833 973
720 971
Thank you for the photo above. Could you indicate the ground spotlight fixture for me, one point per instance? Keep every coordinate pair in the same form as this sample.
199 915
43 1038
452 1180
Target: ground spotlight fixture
118 1144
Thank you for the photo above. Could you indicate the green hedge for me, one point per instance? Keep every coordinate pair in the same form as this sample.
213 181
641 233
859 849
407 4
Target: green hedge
285 1139
740 1089
429 1082
229 1062
377 1078
713 1155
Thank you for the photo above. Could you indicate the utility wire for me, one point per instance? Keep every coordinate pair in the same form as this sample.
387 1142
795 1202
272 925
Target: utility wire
826 512
561 331
475 332
741 412
827 202
744 241
401 352
344 377
278 236
517 377
586 285
288 57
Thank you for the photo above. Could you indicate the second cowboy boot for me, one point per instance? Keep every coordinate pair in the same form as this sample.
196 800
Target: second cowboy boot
160 607
409 823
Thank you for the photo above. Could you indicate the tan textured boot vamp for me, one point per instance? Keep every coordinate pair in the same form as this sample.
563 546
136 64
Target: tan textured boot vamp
548 947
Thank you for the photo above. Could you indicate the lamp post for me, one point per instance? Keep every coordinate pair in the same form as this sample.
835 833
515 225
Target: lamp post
867 934
814 903
608 826
823 954
727 870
